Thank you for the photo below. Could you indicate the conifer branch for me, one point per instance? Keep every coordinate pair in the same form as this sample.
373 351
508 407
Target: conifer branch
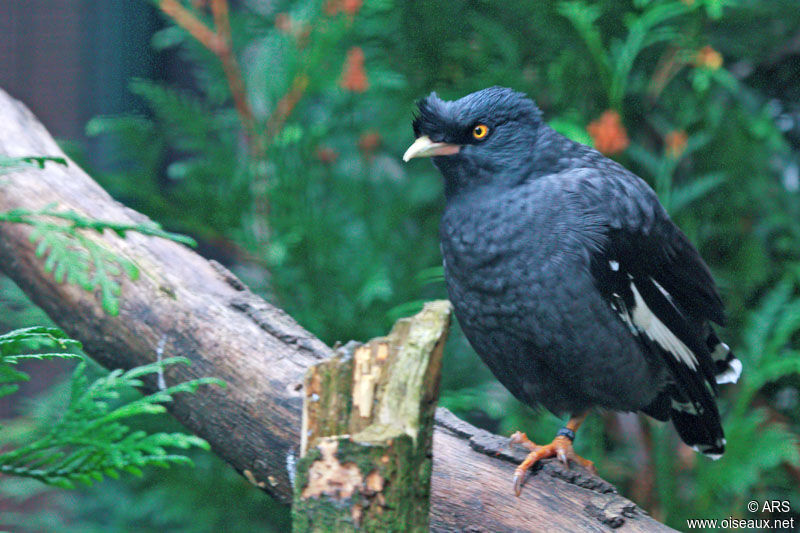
218 41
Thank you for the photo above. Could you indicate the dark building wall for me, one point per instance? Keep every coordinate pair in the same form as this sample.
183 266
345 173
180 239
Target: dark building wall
40 59
69 60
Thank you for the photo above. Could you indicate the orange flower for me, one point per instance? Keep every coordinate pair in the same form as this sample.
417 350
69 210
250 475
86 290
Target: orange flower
675 143
608 133
327 155
354 77
369 142
283 23
351 7
708 57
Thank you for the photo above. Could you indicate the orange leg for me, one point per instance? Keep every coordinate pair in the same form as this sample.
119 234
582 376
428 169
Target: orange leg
561 447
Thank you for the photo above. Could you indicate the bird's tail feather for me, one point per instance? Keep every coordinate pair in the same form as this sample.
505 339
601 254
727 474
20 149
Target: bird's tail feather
698 424
700 430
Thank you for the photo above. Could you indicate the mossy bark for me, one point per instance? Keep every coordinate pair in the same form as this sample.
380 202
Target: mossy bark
368 431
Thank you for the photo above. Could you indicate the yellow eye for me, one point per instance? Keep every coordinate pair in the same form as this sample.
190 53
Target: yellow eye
480 131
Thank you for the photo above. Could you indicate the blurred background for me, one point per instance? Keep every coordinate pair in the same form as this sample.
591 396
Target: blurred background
271 131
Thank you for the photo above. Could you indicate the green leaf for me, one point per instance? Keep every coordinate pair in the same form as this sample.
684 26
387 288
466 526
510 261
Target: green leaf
91 439
583 17
699 187
12 164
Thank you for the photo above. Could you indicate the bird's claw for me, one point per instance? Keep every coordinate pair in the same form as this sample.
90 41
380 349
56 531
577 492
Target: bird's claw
517 437
561 448
519 477
562 456
588 465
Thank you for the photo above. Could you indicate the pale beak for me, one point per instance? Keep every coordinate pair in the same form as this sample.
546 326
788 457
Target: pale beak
425 147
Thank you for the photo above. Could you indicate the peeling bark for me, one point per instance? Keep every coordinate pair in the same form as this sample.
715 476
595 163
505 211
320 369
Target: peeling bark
368 428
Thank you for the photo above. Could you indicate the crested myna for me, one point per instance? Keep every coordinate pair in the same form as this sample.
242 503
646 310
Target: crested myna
568 277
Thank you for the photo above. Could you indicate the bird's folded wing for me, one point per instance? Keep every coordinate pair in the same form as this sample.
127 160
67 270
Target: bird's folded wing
658 285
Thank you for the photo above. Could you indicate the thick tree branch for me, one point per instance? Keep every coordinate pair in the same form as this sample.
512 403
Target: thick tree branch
201 311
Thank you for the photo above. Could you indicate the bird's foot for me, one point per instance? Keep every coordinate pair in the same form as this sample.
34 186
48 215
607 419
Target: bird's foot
561 447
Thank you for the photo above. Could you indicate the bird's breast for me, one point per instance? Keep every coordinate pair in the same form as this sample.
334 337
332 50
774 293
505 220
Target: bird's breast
494 242
510 257
479 252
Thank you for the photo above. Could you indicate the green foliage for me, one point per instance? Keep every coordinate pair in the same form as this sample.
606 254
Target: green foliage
758 443
74 256
13 164
26 344
769 340
209 497
123 503
90 439
651 26
215 189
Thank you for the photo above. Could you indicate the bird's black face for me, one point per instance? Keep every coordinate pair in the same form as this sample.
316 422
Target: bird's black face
487 137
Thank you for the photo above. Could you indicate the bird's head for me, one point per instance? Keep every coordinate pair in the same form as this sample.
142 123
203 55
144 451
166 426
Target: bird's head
487 137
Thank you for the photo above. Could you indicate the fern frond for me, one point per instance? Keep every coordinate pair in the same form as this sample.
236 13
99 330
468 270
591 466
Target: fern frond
189 122
12 164
768 341
24 344
699 187
91 441
74 257
584 17
755 444
644 30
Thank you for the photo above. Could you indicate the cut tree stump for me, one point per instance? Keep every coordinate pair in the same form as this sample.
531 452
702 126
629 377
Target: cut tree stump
367 434
197 309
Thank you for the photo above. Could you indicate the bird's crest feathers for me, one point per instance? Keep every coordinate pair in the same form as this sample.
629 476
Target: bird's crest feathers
439 118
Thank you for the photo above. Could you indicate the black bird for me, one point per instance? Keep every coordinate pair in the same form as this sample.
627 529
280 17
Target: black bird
568 277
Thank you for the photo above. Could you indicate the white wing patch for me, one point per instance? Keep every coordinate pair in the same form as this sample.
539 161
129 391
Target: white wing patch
649 324
712 456
731 374
619 306
667 295
720 352
686 407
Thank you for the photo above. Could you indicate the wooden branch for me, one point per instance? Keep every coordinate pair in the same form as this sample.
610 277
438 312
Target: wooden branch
230 65
201 311
196 307
196 27
283 109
